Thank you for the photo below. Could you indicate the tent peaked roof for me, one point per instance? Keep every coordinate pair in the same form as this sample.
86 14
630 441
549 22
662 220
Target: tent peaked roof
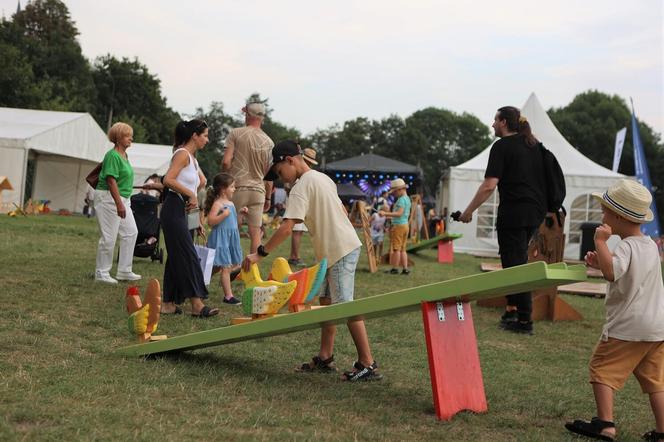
372 162
571 160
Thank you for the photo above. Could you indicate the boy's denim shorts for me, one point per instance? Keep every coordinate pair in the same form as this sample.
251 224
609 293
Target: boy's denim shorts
339 283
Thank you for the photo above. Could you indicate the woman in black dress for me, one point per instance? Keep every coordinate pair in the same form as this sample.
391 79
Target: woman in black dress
183 277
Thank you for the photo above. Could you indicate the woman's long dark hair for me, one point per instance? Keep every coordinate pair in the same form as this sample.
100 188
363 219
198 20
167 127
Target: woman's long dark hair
186 129
517 123
220 182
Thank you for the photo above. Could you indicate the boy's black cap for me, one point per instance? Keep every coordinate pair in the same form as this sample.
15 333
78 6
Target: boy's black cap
283 149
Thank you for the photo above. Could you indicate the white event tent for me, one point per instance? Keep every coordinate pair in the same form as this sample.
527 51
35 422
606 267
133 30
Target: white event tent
582 177
65 147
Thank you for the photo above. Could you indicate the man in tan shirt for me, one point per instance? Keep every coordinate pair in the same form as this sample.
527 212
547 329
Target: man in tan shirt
247 158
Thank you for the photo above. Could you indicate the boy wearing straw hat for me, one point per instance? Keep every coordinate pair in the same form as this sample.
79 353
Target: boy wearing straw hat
399 229
632 339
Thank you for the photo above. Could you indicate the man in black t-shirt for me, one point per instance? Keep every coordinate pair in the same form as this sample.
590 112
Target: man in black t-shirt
516 168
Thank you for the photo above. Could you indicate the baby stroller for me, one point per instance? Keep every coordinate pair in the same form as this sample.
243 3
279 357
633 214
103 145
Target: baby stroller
145 208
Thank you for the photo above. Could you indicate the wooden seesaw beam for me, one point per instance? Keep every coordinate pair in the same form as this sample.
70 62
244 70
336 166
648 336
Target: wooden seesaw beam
465 289
454 365
428 243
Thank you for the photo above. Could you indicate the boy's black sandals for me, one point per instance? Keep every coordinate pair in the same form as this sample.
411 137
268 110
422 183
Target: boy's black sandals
318 365
592 429
362 373
653 436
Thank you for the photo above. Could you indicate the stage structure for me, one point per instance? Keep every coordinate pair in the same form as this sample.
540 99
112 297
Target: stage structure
372 173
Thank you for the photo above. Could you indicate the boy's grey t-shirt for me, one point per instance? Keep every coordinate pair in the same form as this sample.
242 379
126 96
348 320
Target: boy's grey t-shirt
314 200
635 299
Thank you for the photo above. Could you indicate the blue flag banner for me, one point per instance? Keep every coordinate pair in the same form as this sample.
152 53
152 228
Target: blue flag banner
643 177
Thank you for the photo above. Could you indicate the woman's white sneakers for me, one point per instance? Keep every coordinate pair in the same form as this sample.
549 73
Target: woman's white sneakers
121 276
127 276
104 277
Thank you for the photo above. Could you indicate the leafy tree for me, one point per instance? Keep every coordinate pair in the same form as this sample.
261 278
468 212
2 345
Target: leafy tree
17 80
590 123
45 34
387 136
432 138
127 91
440 139
220 124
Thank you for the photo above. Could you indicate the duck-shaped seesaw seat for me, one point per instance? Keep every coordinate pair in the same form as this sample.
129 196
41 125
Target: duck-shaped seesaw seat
309 281
262 299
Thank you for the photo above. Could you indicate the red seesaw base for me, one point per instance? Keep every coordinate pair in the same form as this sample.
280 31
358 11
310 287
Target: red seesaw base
454 363
446 251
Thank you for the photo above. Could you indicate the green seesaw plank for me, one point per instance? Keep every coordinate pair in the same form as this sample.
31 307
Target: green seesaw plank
428 243
469 288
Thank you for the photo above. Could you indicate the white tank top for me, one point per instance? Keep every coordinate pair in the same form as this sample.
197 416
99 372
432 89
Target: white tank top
188 175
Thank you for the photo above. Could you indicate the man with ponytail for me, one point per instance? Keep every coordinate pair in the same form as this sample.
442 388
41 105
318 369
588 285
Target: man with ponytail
516 168
247 158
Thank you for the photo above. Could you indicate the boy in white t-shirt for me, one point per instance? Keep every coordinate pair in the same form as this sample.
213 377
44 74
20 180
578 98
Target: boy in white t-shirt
632 338
313 200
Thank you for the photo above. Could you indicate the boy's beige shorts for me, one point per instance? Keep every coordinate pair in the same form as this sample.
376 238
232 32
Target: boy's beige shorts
614 360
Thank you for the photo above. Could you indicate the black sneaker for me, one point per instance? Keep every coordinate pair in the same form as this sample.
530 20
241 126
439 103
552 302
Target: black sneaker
318 365
392 271
232 301
508 317
362 373
405 272
519 327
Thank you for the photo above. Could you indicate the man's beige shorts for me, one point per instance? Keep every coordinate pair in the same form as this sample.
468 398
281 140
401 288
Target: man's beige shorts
398 237
254 200
614 360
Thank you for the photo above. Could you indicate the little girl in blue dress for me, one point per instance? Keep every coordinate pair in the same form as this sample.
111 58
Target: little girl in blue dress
225 237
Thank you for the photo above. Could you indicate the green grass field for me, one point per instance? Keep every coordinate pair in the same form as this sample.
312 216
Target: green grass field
61 381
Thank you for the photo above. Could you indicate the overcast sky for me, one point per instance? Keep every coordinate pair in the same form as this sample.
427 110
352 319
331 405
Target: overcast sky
321 63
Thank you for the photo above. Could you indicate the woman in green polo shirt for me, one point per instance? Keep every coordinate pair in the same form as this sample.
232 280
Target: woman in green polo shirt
114 215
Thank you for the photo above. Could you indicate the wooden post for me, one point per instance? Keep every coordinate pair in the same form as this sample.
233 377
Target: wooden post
414 232
359 218
454 362
548 245
445 252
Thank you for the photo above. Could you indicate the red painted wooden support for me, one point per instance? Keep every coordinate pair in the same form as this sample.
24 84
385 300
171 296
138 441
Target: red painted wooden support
454 362
446 252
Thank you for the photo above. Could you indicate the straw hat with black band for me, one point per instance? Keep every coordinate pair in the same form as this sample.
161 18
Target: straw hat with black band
628 199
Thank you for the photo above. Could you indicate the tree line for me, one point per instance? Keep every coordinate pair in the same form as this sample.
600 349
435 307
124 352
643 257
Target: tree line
44 69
